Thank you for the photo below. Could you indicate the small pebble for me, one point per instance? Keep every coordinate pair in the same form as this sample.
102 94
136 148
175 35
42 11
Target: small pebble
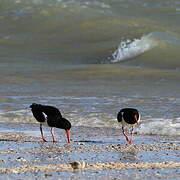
81 143
48 175
21 159
78 164
2 161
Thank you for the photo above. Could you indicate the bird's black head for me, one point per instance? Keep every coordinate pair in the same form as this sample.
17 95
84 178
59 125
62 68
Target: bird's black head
35 106
129 115
65 124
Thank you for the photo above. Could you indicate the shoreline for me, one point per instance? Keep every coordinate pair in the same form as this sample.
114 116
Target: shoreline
93 153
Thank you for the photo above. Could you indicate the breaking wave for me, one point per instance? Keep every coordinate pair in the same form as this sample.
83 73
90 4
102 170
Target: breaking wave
132 48
155 50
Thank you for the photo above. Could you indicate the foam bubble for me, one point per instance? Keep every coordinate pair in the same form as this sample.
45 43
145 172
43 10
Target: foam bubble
129 49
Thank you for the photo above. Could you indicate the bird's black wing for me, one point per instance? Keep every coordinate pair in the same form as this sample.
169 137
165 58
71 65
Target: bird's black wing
51 111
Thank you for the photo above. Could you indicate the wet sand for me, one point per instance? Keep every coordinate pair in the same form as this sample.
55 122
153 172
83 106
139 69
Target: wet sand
95 153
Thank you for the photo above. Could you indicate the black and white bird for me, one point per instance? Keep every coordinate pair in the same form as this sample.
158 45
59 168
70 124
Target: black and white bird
128 117
53 117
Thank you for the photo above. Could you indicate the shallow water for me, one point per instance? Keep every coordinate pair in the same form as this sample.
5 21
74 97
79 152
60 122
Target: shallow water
90 59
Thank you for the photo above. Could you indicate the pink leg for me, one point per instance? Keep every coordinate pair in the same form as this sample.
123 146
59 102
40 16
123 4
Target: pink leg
131 141
127 139
52 133
43 139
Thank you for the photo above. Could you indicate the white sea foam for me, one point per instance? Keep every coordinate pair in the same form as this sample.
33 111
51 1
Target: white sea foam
132 48
155 126
168 127
20 116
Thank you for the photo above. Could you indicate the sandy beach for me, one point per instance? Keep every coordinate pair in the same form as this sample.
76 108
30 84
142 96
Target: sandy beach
95 153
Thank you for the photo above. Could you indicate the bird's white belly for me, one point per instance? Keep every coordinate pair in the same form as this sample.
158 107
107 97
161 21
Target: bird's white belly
44 123
125 124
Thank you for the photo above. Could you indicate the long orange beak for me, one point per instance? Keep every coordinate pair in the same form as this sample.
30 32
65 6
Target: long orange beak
68 135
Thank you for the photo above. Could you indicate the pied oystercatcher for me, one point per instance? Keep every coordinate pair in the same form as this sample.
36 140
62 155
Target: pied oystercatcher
128 117
53 118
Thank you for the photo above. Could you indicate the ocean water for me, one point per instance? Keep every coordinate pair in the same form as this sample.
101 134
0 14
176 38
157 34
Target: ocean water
90 58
